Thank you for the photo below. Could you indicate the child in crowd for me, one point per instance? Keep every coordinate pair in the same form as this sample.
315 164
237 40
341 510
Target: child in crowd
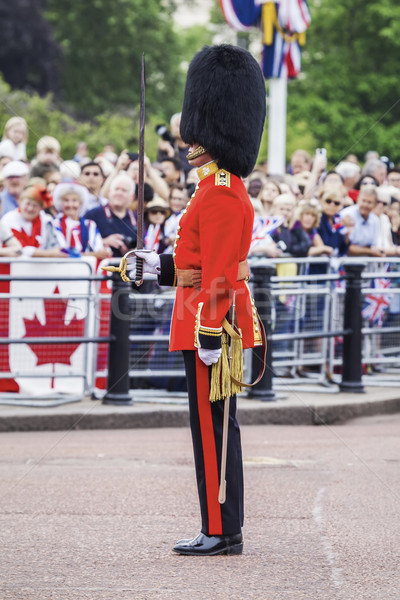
15 138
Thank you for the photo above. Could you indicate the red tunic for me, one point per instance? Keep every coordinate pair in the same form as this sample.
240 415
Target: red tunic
214 235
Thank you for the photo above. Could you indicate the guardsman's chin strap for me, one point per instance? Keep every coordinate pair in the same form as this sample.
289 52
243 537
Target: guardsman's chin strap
199 151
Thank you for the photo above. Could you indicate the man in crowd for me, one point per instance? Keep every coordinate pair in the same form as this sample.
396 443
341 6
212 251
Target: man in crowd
115 221
174 146
15 175
171 168
363 224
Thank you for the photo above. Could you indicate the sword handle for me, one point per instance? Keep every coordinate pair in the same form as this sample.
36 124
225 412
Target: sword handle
139 271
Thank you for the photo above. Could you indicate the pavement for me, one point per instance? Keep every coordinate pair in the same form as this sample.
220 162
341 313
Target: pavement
304 404
93 515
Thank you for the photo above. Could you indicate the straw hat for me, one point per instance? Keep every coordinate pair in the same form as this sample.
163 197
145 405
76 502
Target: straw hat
158 204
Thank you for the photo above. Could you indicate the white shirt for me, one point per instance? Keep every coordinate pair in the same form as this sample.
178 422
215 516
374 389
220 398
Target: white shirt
13 224
14 151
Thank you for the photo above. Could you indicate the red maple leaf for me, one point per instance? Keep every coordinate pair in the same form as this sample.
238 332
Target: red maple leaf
54 327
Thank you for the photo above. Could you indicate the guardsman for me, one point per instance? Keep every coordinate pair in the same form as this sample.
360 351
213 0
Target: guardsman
222 121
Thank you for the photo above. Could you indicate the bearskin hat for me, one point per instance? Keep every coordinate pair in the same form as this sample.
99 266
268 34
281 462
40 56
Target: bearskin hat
224 106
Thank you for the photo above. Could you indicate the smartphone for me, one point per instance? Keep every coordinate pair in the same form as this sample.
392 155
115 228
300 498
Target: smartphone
321 151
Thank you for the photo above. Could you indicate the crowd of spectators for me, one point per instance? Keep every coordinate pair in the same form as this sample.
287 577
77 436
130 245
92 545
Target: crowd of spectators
51 207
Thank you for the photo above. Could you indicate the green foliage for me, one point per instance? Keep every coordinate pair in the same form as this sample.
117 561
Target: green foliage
348 91
44 117
102 44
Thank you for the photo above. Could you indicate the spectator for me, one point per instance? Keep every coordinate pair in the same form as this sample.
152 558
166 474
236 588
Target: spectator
47 156
171 169
171 145
69 170
31 226
332 178
76 235
309 216
269 191
157 211
330 229
283 206
153 182
393 178
385 241
115 220
14 139
377 169
364 180
192 180
349 172
92 177
81 152
177 202
299 161
363 224
15 175
394 216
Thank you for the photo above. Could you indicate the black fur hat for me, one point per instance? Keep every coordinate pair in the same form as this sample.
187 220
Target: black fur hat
224 106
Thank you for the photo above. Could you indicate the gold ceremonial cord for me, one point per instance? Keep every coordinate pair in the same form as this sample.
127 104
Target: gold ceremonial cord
121 269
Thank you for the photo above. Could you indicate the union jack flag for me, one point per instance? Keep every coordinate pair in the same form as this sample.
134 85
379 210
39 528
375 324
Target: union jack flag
283 24
376 304
262 227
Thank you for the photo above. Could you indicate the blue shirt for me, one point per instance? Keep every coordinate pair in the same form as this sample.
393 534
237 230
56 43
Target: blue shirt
108 223
8 202
366 231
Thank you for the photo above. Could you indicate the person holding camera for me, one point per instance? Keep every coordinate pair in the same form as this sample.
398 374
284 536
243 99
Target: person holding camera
115 221
171 145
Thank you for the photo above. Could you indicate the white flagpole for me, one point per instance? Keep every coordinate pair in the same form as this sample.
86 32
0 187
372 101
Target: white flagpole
277 103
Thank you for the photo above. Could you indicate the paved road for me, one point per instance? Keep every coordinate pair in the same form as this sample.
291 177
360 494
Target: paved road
94 514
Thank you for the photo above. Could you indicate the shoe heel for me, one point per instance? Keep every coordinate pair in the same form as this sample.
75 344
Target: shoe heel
236 549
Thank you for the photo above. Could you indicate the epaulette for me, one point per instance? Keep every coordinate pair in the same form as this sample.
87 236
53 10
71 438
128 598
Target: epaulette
223 177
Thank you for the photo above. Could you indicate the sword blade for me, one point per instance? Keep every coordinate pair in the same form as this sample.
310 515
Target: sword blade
140 213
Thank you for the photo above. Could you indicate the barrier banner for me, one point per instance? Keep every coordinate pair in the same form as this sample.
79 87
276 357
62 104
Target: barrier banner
38 309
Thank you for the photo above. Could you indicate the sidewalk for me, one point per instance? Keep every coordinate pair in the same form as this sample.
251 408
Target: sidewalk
153 408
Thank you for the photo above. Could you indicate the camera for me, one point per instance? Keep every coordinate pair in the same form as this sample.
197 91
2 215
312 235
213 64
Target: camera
164 134
130 242
133 156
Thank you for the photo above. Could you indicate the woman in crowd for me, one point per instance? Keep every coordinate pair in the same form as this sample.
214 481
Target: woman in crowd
31 227
385 239
76 235
177 202
330 229
269 191
156 213
308 218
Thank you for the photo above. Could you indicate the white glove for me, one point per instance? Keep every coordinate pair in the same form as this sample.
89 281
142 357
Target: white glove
209 357
151 263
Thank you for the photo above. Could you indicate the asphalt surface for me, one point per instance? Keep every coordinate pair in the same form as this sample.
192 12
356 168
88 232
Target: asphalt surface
94 515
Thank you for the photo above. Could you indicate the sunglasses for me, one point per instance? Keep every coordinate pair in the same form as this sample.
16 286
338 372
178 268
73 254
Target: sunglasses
335 202
157 212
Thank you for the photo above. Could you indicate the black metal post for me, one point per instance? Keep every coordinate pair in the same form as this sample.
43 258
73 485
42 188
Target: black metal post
352 342
261 279
118 350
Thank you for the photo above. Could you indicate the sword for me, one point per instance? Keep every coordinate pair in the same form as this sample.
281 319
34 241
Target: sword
225 426
140 209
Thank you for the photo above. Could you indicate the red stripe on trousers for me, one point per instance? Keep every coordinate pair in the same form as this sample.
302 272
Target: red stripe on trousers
209 450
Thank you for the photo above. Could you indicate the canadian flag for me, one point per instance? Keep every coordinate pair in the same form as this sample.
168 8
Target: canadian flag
37 309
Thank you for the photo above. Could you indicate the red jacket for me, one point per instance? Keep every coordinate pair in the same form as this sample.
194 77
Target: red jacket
214 235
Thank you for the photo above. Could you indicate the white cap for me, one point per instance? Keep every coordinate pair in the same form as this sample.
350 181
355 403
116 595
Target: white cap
71 188
15 168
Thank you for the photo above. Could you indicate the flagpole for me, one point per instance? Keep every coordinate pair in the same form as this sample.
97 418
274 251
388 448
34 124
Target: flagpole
277 111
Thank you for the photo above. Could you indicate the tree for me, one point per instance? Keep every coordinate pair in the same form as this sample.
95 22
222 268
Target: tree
348 91
102 45
28 49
